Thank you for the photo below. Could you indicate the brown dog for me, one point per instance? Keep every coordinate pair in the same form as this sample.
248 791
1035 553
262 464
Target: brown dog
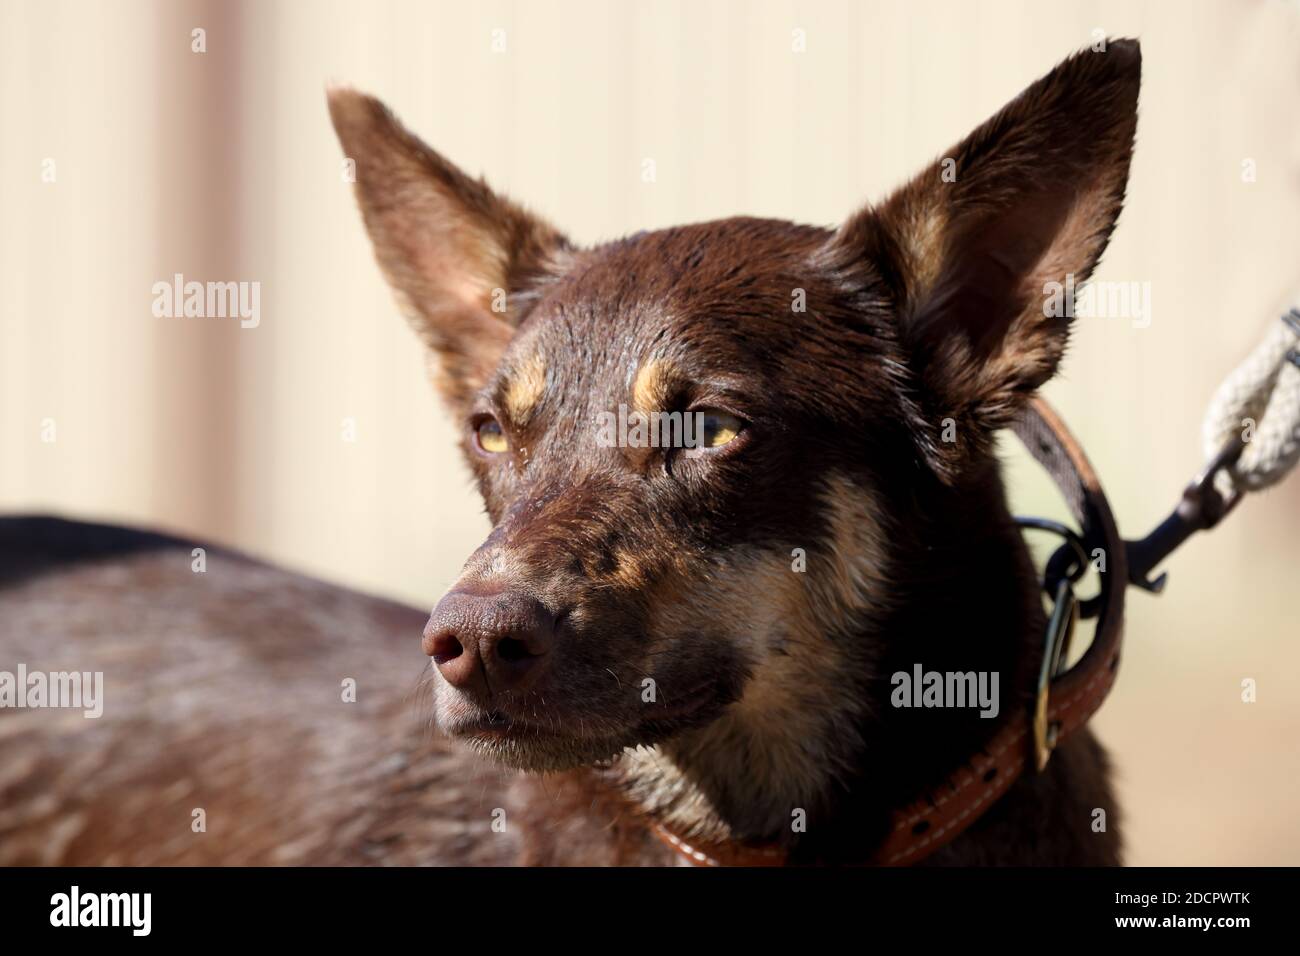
699 641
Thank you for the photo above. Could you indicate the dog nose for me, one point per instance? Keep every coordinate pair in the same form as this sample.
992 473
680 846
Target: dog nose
484 644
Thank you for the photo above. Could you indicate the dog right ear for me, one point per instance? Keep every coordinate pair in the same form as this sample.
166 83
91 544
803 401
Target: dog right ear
461 259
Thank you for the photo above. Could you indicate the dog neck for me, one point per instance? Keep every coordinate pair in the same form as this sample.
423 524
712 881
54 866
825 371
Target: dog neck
812 766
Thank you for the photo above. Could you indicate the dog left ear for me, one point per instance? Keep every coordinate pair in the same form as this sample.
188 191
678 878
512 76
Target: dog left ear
968 249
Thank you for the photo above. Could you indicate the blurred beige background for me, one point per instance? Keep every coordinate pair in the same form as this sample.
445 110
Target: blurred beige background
222 166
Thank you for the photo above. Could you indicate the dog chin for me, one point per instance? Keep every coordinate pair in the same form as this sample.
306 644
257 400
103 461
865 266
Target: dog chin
546 756
536 751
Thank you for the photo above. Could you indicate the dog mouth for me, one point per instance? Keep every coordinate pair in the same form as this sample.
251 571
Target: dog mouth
492 724
552 740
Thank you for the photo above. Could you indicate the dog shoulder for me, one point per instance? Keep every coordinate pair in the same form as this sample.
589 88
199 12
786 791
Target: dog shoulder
231 713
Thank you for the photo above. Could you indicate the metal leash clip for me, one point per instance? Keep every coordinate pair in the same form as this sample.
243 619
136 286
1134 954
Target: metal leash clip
1059 582
1201 508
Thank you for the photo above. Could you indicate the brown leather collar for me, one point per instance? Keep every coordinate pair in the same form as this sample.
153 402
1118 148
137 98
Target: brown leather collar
1064 702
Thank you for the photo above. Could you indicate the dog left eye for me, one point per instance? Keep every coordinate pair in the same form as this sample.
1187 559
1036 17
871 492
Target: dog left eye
490 437
718 427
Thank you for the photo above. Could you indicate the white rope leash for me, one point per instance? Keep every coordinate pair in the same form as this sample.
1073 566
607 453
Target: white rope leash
1260 403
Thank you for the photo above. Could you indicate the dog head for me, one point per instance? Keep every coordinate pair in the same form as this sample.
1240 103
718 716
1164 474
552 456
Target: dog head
829 383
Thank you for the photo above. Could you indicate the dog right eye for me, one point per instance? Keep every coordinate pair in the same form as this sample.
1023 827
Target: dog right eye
489 437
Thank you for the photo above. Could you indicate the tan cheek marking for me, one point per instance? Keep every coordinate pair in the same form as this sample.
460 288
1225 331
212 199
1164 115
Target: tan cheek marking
792 729
525 390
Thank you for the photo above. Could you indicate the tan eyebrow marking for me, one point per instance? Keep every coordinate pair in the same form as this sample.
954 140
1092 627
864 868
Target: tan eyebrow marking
525 390
653 386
